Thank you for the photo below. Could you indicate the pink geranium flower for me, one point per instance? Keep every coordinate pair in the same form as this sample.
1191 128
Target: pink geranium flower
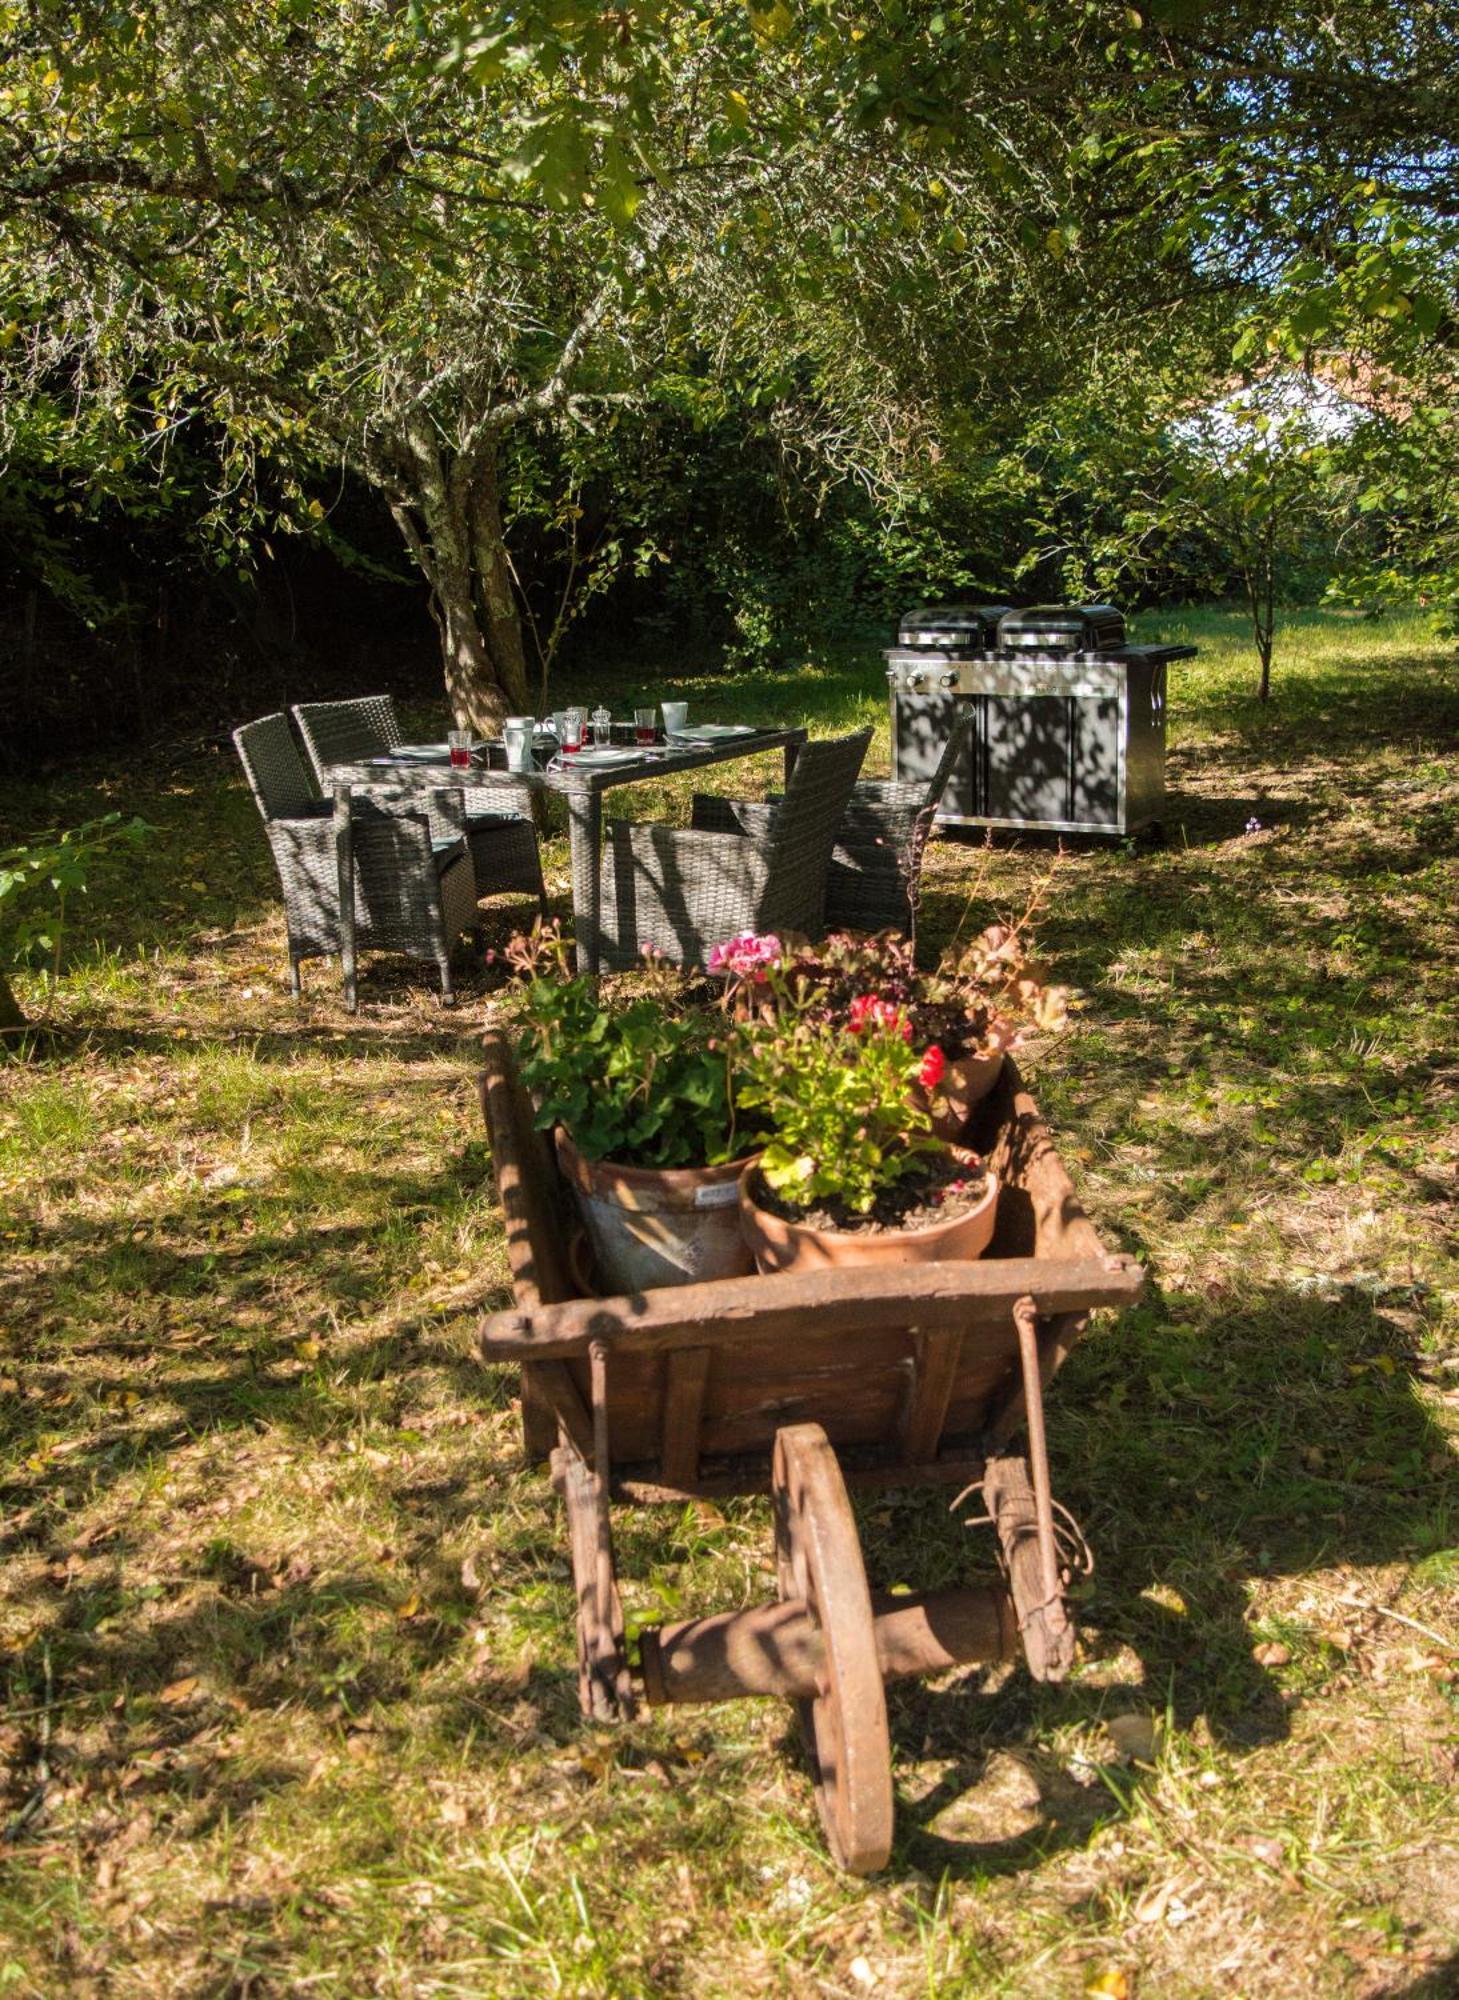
747 956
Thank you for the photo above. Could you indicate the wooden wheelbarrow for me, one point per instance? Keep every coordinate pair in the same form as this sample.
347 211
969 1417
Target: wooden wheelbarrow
888 1377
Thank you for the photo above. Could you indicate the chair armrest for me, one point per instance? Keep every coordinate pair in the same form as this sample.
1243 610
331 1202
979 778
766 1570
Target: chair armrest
304 815
751 818
726 855
889 792
442 808
711 872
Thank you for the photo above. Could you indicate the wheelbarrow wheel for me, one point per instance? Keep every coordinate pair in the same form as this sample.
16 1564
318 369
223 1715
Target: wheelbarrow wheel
818 1556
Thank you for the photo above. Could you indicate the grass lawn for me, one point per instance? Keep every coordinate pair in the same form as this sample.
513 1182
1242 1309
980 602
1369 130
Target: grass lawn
286 1625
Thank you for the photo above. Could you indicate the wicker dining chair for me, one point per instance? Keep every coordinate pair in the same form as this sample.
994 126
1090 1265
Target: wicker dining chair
502 835
413 893
874 879
683 891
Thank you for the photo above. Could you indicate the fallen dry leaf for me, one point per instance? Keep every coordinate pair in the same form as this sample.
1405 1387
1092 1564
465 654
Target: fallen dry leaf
1133 1736
1265 1849
1164 1902
1115 1984
177 1692
1271 1654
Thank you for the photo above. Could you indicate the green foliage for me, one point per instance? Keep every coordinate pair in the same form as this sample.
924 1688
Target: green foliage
837 1101
1150 483
644 1082
845 270
982 996
38 877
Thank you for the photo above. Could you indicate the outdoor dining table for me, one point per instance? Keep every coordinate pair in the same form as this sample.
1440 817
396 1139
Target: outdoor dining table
582 784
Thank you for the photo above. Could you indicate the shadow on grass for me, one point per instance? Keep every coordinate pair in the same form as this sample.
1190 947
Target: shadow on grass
1203 1451
334 1647
1440 1983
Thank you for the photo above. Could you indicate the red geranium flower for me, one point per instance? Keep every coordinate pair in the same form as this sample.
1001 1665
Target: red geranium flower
933 1065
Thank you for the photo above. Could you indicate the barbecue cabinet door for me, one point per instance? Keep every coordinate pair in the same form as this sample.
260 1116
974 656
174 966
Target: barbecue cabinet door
923 723
1027 758
1098 726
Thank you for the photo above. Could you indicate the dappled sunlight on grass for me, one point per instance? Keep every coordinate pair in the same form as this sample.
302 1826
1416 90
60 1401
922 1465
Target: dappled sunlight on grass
298 1621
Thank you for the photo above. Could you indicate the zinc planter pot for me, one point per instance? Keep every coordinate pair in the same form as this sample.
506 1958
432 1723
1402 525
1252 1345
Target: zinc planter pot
778 1244
658 1226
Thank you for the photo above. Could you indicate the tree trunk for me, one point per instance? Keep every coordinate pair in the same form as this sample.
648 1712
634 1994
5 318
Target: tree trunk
453 526
496 602
1261 603
12 1021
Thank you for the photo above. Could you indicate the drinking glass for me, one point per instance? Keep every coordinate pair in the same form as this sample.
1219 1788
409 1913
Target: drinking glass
676 714
458 742
517 736
573 723
645 725
602 722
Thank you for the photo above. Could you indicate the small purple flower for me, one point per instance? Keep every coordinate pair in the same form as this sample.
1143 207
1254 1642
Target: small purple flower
1254 825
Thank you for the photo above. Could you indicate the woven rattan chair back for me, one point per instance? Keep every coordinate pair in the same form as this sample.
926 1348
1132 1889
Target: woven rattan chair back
875 881
803 832
346 732
281 784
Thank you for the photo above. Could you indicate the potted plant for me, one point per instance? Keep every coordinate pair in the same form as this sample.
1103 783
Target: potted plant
851 1171
980 1000
637 1093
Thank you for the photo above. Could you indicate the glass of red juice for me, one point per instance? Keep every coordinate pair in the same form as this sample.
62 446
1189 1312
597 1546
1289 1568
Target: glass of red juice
645 725
458 743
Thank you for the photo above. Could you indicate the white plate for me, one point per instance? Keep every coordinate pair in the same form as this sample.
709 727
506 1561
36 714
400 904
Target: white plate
599 753
422 753
713 732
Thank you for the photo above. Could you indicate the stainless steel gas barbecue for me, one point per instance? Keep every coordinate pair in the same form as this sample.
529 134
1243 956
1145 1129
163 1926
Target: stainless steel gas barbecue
1068 721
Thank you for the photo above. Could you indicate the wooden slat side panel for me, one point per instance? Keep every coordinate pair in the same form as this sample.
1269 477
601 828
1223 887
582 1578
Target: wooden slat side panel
1039 1214
860 1396
635 1403
539 1423
528 1186
855 1387
935 1363
867 1416
686 1380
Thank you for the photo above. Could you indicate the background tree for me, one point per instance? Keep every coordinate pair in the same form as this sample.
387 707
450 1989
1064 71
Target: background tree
292 228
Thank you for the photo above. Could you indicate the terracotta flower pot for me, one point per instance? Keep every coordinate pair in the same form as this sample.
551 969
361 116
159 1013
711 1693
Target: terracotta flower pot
966 1081
781 1245
652 1226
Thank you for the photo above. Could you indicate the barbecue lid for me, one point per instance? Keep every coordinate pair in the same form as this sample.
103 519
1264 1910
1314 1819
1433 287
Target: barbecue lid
1064 628
952 625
